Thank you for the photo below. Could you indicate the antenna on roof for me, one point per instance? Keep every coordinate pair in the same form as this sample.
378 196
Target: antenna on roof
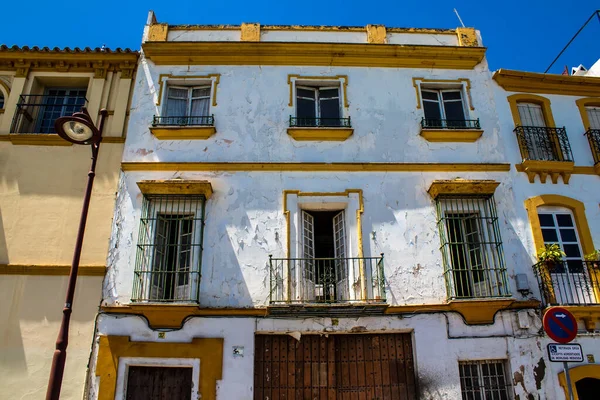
462 23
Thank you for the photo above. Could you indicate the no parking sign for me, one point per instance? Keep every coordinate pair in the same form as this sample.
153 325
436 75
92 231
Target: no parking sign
560 325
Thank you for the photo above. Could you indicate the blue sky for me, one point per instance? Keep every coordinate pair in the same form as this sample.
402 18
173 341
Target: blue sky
524 35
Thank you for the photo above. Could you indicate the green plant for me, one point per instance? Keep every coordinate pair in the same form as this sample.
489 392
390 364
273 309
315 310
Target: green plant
593 256
551 252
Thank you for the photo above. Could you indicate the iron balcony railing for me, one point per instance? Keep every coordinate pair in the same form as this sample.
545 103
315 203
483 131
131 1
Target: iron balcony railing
593 136
37 113
543 143
326 280
569 283
301 122
204 120
427 123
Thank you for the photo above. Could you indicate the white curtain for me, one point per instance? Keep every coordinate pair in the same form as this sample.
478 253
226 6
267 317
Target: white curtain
594 116
200 102
177 102
531 114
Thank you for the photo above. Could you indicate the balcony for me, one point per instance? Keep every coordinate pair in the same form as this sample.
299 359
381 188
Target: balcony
593 136
569 283
35 115
183 127
546 152
313 285
447 130
320 129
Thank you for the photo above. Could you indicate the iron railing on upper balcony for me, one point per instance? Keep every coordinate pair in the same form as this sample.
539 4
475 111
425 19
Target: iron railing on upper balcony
203 120
543 143
593 136
326 280
301 122
428 123
570 282
37 113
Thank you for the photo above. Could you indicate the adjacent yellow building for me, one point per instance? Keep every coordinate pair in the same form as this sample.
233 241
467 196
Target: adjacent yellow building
42 181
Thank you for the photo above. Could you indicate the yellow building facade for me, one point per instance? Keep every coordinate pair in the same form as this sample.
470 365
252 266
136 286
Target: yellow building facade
42 181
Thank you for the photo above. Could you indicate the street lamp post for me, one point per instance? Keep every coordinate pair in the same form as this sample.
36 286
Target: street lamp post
79 129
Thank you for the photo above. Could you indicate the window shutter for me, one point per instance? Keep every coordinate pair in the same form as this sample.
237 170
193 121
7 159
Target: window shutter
161 241
308 255
531 114
431 105
453 108
341 267
594 117
306 98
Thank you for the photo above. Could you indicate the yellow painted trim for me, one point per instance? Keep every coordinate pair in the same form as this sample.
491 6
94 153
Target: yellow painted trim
514 99
111 348
113 139
314 167
519 81
577 169
35 139
50 270
581 104
4 138
463 81
24 61
554 169
183 133
158 32
176 186
576 374
1 110
474 312
359 235
451 135
314 54
310 28
320 134
343 79
467 37
376 34
578 209
5 91
462 187
163 77
172 316
250 32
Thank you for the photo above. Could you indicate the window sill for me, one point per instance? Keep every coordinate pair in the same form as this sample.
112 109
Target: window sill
329 134
545 168
183 132
38 139
451 135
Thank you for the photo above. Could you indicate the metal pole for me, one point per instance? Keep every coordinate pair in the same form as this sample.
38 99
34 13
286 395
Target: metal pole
60 354
566 367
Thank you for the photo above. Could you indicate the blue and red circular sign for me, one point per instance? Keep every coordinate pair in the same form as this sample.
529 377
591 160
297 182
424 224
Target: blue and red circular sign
560 325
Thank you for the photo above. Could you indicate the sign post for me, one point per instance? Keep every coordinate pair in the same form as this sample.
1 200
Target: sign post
561 326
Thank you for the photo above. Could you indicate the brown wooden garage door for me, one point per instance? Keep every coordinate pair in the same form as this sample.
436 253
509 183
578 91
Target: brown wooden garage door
340 367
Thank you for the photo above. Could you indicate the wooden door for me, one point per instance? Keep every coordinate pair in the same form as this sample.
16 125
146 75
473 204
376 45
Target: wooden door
159 383
338 367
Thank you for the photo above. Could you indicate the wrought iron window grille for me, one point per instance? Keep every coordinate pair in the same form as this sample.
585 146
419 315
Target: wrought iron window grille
169 249
37 113
205 120
471 247
543 143
571 282
305 122
325 280
593 137
484 380
428 123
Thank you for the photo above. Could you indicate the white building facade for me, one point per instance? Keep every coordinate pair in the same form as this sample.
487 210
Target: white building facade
319 212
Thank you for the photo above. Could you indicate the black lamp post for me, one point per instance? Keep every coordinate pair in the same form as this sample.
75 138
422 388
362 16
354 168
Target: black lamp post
79 129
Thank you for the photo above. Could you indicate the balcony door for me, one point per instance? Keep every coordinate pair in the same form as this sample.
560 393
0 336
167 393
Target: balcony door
593 116
570 280
325 270
539 144
57 103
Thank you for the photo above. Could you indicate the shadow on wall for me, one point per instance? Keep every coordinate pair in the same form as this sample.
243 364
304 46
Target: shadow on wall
31 308
3 247
58 171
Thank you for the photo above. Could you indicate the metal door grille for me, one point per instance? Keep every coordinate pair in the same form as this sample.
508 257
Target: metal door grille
344 367
484 380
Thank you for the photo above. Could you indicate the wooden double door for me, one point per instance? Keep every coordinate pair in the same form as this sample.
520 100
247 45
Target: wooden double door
334 367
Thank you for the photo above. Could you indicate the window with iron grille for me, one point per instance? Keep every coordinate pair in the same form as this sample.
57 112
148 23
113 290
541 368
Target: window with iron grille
169 250
445 108
318 106
471 246
484 380
186 105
